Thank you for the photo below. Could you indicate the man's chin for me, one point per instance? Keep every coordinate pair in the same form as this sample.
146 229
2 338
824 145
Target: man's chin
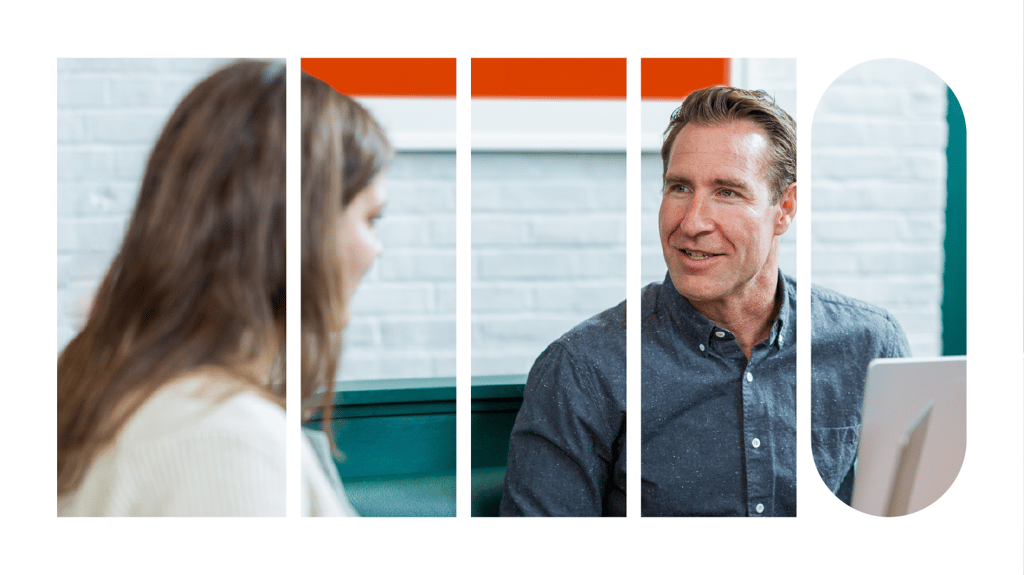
695 289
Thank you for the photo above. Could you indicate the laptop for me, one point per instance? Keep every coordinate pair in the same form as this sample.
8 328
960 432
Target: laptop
913 434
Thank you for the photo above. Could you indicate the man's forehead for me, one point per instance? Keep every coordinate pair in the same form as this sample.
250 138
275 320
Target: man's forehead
740 145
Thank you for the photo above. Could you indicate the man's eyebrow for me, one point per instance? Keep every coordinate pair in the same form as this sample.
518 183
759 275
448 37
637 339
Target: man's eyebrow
669 179
724 182
731 184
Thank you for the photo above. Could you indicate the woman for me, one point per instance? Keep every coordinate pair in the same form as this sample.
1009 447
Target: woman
170 400
344 155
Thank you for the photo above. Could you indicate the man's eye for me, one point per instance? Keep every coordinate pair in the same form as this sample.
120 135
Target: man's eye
728 193
679 189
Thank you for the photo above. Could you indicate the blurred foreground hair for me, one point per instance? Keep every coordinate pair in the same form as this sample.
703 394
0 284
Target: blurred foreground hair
199 281
343 151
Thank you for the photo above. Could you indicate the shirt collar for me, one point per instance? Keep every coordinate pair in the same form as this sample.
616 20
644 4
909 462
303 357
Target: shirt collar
701 331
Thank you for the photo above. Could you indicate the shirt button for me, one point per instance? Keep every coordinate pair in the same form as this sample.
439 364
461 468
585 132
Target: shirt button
750 376
701 347
759 508
756 443
720 333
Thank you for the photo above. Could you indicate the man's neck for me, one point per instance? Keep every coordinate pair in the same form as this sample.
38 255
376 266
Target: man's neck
749 318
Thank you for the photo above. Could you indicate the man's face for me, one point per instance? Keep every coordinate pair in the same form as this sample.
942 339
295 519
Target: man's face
718 225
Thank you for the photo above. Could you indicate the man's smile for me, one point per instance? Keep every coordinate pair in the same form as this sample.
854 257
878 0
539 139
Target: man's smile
696 255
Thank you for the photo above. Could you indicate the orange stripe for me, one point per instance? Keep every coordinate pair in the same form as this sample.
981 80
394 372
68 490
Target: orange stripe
591 78
419 77
675 78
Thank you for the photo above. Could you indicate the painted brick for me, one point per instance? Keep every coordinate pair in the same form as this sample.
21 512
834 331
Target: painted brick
444 298
418 265
119 127
590 230
84 164
583 299
500 230
878 180
392 299
362 332
834 195
419 197
150 92
548 250
74 92
501 331
497 297
129 162
90 265
876 163
70 128
898 133
423 167
571 264
429 334
96 199
403 231
442 230
506 362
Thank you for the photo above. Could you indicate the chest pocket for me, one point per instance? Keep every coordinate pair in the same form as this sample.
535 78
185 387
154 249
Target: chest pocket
834 450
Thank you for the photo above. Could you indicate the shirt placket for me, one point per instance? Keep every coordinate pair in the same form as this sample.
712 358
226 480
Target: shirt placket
757 450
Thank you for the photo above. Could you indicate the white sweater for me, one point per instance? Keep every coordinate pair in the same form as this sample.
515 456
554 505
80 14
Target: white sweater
185 454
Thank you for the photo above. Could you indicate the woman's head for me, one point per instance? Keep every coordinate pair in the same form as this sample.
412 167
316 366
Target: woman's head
344 155
199 280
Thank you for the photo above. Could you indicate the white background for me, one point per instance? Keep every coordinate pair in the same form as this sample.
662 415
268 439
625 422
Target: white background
977 526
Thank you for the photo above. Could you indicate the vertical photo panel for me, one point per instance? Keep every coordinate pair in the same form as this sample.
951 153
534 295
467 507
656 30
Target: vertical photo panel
171 287
379 282
548 196
888 341
718 311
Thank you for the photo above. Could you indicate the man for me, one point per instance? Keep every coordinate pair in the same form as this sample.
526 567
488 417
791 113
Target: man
718 338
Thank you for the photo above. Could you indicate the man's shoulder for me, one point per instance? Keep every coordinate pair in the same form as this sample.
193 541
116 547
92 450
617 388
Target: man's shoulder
604 331
832 311
831 300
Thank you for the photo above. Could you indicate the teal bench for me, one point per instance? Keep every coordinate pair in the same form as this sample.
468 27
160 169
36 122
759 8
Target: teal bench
398 441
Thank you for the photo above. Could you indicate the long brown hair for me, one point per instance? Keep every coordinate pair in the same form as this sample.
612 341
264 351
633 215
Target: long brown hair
343 150
199 280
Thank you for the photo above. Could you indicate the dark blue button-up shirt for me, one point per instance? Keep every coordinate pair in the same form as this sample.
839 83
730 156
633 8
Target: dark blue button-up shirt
846 334
567 453
718 431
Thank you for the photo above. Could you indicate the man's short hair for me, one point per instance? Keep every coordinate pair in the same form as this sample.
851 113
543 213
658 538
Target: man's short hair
721 104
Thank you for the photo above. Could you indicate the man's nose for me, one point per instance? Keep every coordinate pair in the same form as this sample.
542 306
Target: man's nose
697 218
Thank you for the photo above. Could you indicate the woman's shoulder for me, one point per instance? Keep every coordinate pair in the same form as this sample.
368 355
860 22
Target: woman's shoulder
198 446
322 491
205 404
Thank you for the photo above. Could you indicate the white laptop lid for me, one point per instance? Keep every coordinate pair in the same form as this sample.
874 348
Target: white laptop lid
904 399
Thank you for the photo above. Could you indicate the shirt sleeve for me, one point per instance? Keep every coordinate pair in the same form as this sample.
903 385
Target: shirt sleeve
897 344
561 448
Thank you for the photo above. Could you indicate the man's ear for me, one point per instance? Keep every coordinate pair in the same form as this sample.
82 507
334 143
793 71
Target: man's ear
787 209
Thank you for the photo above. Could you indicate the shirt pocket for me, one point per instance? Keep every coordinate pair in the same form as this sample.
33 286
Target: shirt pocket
835 449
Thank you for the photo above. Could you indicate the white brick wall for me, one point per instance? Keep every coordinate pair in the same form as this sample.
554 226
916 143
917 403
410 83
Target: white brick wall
548 250
109 113
879 185
777 76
